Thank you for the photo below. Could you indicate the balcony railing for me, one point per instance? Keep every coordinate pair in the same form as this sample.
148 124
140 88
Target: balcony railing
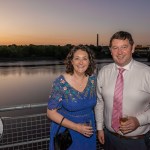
26 132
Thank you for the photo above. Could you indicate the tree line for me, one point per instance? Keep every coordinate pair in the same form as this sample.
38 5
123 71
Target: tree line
51 52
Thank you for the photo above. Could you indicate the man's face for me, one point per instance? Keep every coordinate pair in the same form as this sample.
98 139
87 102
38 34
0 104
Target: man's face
121 51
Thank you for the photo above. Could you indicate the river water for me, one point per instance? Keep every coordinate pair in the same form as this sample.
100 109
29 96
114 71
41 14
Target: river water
23 83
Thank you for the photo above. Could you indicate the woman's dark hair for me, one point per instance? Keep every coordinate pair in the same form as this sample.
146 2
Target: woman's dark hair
92 65
122 35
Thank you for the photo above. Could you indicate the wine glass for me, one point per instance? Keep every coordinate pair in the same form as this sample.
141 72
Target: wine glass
88 123
123 118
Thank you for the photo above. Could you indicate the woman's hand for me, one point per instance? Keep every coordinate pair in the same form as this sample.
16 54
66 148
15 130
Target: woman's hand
85 129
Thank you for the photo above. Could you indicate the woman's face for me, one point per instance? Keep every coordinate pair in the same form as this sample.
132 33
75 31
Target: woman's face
80 61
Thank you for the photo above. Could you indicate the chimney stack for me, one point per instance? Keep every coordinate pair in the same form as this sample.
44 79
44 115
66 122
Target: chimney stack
97 40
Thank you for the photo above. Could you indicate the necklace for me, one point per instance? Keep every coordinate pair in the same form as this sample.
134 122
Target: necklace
80 85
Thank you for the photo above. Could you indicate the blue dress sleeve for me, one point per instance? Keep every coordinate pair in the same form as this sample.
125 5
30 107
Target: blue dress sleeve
55 97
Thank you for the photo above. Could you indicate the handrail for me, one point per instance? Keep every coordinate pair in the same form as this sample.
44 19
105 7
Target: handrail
22 106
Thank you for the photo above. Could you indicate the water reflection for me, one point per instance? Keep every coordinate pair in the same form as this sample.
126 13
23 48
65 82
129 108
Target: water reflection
22 85
30 70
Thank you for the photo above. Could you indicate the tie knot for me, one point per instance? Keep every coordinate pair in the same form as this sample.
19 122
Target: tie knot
121 70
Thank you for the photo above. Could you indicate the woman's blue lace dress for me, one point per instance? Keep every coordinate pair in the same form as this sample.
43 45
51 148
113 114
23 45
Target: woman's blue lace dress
77 107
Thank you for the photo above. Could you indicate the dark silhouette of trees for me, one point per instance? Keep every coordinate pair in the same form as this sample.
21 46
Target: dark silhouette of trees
37 52
53 52
24 52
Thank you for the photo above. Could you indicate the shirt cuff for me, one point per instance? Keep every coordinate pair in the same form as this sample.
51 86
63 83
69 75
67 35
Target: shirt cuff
100 127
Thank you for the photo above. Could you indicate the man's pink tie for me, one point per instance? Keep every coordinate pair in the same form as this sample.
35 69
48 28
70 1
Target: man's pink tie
117 104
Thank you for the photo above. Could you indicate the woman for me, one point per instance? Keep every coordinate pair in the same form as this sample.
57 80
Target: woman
73 96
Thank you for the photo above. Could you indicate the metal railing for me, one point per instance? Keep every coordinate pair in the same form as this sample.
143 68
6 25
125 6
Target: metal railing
27 132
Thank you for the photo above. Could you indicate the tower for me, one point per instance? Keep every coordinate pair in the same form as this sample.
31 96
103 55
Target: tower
97 40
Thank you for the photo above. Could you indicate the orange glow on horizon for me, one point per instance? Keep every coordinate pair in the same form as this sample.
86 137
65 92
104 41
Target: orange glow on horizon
23 40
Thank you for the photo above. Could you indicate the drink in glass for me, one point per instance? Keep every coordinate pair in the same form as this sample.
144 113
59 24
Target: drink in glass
123 118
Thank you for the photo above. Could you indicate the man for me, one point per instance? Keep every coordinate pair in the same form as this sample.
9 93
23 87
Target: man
119 93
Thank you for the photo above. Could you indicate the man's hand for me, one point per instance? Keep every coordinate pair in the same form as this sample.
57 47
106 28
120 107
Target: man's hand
101 137
130 125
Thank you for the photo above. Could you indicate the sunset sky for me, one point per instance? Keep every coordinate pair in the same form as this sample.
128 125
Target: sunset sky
61 22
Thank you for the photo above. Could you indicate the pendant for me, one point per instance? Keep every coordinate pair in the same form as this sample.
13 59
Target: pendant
80 85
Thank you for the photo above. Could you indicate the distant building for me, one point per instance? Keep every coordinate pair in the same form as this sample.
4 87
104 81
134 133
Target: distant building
148 47
138 46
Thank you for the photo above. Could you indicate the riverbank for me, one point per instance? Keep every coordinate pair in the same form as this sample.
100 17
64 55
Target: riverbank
47 62
30 63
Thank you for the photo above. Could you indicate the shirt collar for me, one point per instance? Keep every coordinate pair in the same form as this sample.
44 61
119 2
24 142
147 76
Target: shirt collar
126 67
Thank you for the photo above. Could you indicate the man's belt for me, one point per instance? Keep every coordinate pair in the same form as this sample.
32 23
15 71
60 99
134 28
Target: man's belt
127 137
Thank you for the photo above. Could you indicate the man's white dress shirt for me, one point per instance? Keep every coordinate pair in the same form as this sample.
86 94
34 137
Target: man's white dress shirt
136 95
